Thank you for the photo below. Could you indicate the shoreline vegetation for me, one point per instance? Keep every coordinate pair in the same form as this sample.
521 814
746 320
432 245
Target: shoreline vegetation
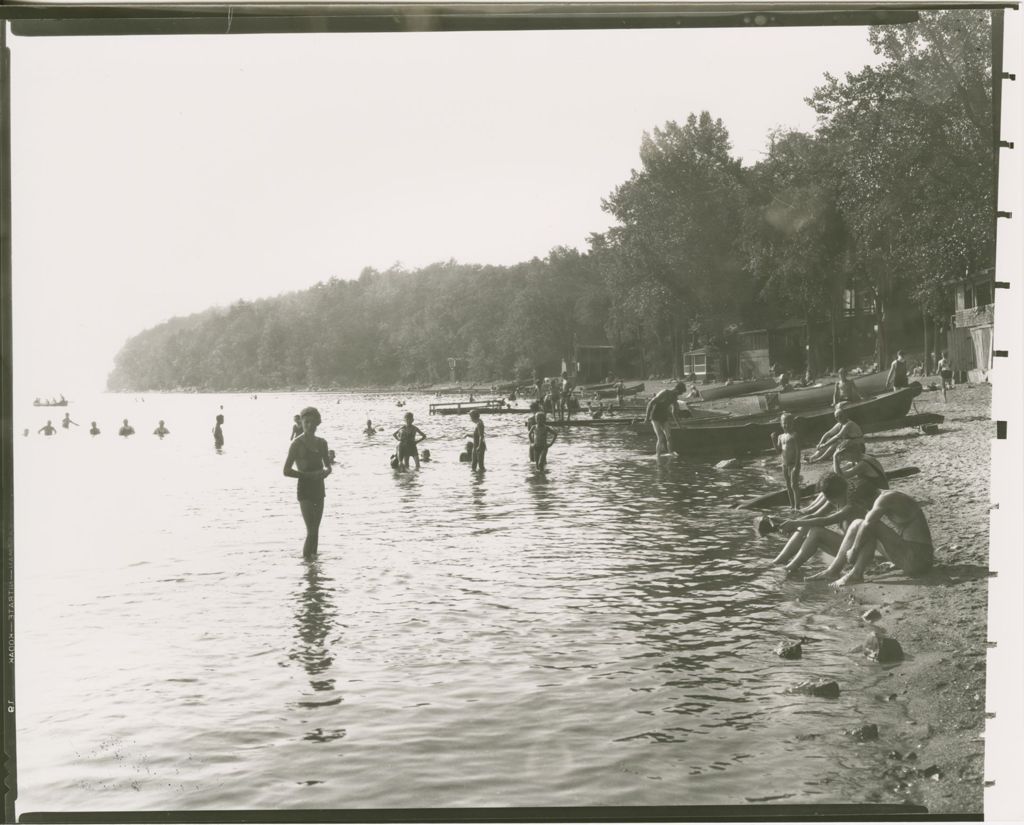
848 241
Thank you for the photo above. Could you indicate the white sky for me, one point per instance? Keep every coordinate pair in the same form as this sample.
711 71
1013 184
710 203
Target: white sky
159 176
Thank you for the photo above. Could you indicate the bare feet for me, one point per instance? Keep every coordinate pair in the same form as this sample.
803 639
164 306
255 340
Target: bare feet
849 578
824 575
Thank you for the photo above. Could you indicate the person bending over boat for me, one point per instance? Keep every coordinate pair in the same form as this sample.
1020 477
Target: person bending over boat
907 543
660 408
308 461
845 389
479 442
839 504
407 441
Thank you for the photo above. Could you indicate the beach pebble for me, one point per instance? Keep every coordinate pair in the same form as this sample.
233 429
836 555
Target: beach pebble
865 733
789 650
825 688
932 772
871 615
728 464
896 755
883 649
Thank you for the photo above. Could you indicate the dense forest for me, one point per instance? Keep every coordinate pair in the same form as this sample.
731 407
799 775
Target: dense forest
890 195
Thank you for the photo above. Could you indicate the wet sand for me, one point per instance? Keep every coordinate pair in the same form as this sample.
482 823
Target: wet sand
939 619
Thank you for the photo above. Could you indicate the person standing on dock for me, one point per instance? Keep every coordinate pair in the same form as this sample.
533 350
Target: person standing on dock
479 442
663 406
308 460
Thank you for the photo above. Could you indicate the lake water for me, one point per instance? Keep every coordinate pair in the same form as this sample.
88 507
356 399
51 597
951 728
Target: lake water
599 634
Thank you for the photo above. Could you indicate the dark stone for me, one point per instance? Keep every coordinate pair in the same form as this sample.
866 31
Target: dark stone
825 688
871 615
865 733
931 772
910 757
895 755
883 649
930 429
790 650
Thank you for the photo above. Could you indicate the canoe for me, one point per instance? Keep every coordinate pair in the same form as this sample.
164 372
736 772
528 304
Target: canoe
812 398
492 406
48 404
743 435
780 498
734 389
614 393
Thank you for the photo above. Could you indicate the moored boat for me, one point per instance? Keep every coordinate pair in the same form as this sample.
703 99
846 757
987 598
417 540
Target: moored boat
614 392
811 398
734 389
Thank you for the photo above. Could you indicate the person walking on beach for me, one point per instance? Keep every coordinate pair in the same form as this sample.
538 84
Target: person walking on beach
161 430
898 374
539 438
94 430
48 428
126 429
660 408
907 543
479 442
407 441
66 422
845 389
788 444
308 461
218 433
296 427
945 374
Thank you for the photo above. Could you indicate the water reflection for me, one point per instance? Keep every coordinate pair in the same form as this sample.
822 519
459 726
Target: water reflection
314 621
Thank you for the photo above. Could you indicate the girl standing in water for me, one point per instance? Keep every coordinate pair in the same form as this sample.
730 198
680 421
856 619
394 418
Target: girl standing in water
308 460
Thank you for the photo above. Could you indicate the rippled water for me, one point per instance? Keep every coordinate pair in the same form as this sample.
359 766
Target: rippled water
599 634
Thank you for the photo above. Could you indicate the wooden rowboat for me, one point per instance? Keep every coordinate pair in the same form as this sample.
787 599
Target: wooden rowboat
752 434
812 398
614 393
734 389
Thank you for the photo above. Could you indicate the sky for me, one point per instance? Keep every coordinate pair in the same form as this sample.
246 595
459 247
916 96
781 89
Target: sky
158 176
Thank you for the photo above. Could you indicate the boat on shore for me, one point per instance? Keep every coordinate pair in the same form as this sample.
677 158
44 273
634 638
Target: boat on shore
734 389
810 398
742 435
491 406
614 392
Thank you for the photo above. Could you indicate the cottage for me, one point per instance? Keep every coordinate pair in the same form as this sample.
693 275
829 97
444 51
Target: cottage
969 340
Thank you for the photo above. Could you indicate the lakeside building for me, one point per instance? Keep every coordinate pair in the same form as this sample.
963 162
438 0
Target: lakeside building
969 339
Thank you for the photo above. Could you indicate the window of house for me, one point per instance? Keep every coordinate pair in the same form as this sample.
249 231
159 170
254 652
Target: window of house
982 295
968 297
849 302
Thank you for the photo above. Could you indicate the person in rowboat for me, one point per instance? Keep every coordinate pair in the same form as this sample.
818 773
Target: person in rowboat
845 389
660 408
308 461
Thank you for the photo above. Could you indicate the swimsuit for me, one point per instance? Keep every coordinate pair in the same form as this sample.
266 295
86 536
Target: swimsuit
660 411
309 489
899 378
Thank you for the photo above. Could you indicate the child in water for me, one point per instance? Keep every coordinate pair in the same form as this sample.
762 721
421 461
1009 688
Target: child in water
94 430
161 430
479 444
407 441
126 429
539 439
467 454
48 428
370 429
788 444
308 460
218 433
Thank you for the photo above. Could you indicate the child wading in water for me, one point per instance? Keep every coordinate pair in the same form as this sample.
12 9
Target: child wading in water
308 461
407 441
539 440
788 444
479 443
218 433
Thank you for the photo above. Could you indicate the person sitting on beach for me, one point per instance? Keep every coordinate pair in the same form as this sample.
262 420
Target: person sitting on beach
479 442
94 430
845 389
897 377
308 460
218 433
161 430
907 543
660 408
369 429
542 437
839 503
407 441
66 421
845 429
788 444
297 427
48 428
126 429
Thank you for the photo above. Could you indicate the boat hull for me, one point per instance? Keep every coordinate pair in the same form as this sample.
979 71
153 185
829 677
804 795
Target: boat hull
815 397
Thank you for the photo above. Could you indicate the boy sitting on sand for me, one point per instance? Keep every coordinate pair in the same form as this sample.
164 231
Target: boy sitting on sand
539 440
788 444
845 429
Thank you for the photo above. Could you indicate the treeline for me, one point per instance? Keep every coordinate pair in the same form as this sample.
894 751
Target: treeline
891 197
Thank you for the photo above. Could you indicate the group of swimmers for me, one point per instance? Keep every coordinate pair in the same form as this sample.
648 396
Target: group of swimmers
124 430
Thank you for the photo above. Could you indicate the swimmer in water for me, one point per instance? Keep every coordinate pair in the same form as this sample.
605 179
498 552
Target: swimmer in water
126 429
479 442
308 460
370 429
66 421
296 427
94 430
161 430
48 429
218 433
407 442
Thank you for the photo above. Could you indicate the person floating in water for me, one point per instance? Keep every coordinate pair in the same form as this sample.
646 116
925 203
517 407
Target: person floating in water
66 421
309 461
297 427
479 442
369 429
94 430
407 441
218 432
126 429
542 437
788 444
660 408
48 429
161 430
